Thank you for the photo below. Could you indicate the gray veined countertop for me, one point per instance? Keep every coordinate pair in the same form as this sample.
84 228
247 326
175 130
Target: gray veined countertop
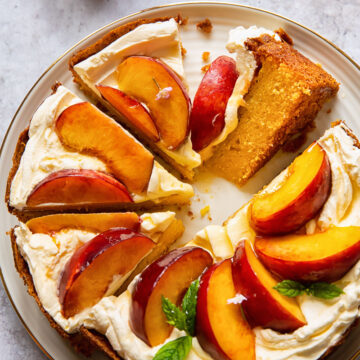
34 33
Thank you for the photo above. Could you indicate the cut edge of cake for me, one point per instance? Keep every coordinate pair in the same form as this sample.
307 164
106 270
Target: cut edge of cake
309 87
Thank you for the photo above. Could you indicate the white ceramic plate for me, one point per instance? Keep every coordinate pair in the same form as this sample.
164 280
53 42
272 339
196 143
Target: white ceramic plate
222 197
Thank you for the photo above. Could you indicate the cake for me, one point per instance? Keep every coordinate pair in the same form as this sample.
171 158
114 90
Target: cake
285 95
43 246
108 280
147 53
132 325
284 92
63 149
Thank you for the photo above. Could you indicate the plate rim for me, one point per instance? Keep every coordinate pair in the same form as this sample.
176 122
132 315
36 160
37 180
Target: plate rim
170 5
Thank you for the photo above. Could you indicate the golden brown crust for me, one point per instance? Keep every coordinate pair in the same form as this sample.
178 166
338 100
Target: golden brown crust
106 106
107 39
100 342
19 150
348 131
284 36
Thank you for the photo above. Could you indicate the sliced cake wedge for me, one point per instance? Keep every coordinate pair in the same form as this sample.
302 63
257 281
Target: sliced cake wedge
286 93
45 248
73 156
136 72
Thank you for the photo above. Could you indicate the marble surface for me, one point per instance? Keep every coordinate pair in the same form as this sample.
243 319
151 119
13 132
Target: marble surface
34 33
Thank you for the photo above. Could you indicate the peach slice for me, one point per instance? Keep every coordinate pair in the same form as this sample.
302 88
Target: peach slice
143 78
131 109
170 276
84 128
92 268
221 328
92 222
263 305
78 187
298 198
324 256
207 117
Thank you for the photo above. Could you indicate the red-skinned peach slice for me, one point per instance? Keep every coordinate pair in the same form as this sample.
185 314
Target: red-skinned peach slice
324 256
78 187
221 328
143 78
207 117
84 128
131 109
298 198
263 305
98 223
170 276
91 269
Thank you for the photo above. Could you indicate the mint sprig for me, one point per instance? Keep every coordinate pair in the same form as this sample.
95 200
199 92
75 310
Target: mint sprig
174 315
324 290
321 290
177 349
189 307
183 319
290 288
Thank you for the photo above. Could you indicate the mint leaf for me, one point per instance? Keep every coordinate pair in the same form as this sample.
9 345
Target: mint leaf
174 315
290 288
321 290
189 307
177 349
325 290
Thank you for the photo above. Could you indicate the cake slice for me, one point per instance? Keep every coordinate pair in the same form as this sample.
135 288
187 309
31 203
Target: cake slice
73 156
43 247
136 72
286 93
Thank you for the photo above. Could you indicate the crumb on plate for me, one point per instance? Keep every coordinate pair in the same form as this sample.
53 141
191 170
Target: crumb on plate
204 210
206 56
183 51
205 26
205 68
182 20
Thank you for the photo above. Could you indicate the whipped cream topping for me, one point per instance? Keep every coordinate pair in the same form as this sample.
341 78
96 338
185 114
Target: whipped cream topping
159 40
44 154
327 319
110 317
47 255
246 66
343 205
